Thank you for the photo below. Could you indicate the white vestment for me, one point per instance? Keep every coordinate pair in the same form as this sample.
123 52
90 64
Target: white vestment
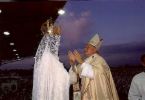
137 88
96 79
50 80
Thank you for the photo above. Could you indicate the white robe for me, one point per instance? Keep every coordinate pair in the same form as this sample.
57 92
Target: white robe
96 79
137 88
50 80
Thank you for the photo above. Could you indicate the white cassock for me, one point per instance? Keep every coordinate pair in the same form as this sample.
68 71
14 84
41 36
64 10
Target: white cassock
137 88
50 80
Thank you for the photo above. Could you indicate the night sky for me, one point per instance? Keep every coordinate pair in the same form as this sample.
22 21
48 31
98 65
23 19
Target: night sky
118 22
121 24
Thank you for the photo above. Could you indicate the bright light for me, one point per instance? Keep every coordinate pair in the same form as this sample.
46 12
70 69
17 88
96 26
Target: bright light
6 33
17 54
12 44
61 12
49 31
0 11
14 50
18 57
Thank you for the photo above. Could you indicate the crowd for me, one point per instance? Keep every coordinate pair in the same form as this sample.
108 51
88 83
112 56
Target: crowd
122 78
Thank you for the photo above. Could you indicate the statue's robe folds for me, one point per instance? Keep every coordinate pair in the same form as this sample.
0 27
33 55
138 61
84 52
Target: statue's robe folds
96 79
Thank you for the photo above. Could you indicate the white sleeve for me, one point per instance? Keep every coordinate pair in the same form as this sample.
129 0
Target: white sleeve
134 93
73 76
87 70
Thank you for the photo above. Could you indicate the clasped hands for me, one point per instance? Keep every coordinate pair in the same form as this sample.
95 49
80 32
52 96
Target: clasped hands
74 57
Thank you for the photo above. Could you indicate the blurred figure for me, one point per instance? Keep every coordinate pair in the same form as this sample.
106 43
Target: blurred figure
96 78
137 88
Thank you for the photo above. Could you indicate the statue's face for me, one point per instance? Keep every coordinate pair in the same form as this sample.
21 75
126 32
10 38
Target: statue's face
89 50
46 27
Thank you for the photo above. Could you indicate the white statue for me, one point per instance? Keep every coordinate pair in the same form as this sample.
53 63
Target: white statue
50 80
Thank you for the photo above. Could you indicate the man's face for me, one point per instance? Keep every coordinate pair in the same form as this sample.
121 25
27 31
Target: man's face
89 50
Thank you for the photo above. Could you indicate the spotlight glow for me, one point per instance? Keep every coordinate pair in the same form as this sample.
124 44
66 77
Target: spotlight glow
0 11
19 59
17 54
50 31
6 33
61 12
14 50
12 43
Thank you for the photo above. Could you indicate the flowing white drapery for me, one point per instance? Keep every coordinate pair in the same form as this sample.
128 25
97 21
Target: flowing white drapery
50 80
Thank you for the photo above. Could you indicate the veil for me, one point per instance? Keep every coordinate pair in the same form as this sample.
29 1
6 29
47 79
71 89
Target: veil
49 43
50 78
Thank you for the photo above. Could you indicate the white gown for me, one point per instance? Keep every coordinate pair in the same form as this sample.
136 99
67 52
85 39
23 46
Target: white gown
50 80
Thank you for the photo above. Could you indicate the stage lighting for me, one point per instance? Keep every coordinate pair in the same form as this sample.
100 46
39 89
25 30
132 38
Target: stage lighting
14 50
0 11
6 33
61 12
12 43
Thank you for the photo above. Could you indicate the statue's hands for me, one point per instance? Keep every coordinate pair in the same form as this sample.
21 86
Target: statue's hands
71 58
78 57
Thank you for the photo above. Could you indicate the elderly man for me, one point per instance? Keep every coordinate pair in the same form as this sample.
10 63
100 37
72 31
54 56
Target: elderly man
137 88
96 79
